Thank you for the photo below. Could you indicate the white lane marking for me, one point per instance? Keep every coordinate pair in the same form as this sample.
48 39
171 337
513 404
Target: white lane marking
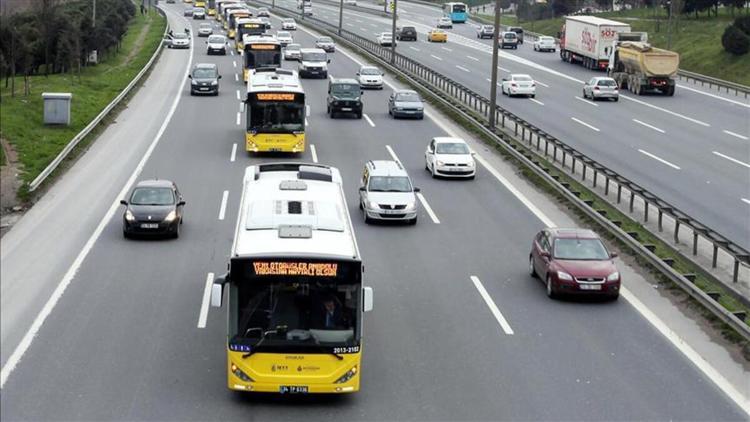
231 52
234 63
472 58
414 48
238 94
369 120
362 29
536 101
503 69
238 119
358 20
734 160
714 96
436 57
747 201
236 77
690 119
223 207
234 153
463 68
307 110
49 306
690 353
542 84
428 208
372 24
648 126
203 315
676 167
242 107
393 154
447 49
587 101
306 122
491 304
314 153
490 81
736 135
348 24
585 124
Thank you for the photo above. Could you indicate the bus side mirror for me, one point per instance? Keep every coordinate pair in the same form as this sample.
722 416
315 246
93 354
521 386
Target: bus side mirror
367 299
217 294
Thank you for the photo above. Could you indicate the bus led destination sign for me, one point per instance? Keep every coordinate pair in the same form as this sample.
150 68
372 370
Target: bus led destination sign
275 96
310 269
263 47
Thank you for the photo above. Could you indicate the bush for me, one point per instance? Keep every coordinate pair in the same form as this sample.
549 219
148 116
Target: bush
743 24
735 41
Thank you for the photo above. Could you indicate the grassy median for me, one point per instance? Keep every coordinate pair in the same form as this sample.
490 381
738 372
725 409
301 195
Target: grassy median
21 119
697 40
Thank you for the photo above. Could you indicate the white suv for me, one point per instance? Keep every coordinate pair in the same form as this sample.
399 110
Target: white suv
386 193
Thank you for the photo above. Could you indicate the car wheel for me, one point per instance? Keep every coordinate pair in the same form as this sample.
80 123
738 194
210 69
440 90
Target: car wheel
532 270
125 234
413 221
617 99
368 220
432 172
533 95
359 115
583 94
550 289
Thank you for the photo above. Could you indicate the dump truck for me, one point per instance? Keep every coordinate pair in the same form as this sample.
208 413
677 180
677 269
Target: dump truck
640 68
588 40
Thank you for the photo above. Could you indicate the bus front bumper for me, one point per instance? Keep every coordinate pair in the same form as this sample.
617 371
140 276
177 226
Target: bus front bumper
257 387
275 143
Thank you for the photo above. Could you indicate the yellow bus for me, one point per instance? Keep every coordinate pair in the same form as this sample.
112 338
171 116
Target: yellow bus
260 51
275 112
211 9
247 26
221 4
226 10
294 290
200 3
234 16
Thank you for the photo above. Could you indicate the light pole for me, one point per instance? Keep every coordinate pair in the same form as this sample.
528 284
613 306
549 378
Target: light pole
93 16
393 32
341 15
493 87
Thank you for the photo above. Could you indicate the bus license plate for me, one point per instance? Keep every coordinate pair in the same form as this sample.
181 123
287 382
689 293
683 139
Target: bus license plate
293 389
150 225
591 287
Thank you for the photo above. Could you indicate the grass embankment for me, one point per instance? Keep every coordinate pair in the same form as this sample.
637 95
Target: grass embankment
697 40
21 119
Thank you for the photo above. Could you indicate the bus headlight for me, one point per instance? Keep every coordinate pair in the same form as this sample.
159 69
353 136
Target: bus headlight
347 376
239 374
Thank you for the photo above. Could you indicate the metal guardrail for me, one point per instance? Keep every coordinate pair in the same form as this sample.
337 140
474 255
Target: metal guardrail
720 84
95 122
475 108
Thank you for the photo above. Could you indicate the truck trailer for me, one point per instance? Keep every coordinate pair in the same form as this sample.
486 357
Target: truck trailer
639 67
588 40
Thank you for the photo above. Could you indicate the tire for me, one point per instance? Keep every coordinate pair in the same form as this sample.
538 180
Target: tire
533 95
368 220
617 99
413 221
125 235
550 290
583 94
359 115
614 297
532 270
432 172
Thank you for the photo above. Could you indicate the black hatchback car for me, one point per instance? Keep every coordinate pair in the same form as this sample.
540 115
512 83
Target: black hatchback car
344 96
154 208
406 33
204 79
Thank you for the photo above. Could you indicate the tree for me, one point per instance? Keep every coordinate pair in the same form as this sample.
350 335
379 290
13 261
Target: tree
735 41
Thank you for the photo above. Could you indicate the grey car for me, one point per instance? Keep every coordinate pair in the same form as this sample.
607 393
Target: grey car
386 193
601 87
204 79
205 30
153 208
292 52
405 103
326 44
485 31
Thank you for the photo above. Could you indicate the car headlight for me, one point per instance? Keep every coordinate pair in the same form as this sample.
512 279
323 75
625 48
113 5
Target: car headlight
564 276
129 215
420 108
193 83
440 163
614 276
170 217
239 374
347 376
373 205
214 83
411 206
471 164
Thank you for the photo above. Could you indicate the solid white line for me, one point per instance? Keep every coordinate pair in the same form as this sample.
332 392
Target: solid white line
463 68
314 153
491 304
203 315
223 207
238 95
236 77
447 49
734 160
234 153
231 52
714 96
648 125
587 101
238 119
393 154
348 24
585 124
362 29
659 159
472 58
428 208
542 84
307 110
234 63
690 119
414 48
49 306
369 120
503 69
436 57
736 135
536 101
747 201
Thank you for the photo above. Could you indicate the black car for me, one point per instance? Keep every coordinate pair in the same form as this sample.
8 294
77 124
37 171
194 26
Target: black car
154 208
406 33
204 79
344 96
519 31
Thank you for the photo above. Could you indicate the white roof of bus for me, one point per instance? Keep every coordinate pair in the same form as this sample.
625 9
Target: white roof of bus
287 81
595 20
265 205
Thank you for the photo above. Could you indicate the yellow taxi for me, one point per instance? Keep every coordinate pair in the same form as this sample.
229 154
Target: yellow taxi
437 35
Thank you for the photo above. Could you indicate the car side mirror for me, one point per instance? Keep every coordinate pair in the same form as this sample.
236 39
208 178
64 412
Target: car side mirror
544 254
367 299
219 77
473 153
417 190
362 189
123 202
362 92
613 255
206 42
329 60
357 73
181 203
505 79
190 76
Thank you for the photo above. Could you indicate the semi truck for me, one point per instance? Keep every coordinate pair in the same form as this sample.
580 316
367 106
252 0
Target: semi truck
588 40
639 67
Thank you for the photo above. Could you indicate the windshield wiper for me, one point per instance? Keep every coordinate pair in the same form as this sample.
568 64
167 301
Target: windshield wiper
279 328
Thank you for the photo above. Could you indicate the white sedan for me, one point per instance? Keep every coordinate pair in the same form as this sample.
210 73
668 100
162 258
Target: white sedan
288 24
545 44
284 37
519 84
450 157
370 77
385 38
445 22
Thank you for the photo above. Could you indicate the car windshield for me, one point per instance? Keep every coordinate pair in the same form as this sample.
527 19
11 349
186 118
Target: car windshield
509 35
180 36
152 196
606 82
205 25
522 78
197 10
580 249
314 57
294 47
390 184
325 39
408 97
546 39
204 73
451 148
214 39
385 34
369 71
345 89
288 21
282 34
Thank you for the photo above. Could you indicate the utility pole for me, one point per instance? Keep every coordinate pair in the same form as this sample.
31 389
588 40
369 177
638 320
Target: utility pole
393 31
341 15
669 24
93 15
493 87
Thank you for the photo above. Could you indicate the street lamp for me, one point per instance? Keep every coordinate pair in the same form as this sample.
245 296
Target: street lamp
393 32
493 87
341 15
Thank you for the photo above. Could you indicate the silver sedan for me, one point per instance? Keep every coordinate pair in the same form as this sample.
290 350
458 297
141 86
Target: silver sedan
601 87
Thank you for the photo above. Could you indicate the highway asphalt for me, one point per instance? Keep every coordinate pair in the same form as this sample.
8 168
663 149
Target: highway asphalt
123 344
693 149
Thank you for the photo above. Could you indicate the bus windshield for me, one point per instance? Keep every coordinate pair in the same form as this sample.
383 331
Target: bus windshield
459 8
276 117
262 58
295 306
